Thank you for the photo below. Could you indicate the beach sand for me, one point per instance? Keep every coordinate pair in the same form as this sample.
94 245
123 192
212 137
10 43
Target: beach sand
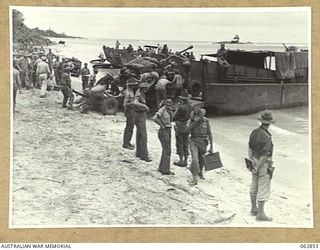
69 169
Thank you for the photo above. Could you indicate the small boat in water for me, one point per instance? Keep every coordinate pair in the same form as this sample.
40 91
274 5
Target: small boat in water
236 39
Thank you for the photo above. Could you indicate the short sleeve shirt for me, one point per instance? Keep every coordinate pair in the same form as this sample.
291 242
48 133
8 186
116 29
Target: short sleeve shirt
165 116
202 130
260 142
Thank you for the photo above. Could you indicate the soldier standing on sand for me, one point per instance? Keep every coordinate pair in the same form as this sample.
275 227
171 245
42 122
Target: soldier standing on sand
181 117
34 68
164 119
50 57
93 78
129 97
200 131
55 68
25 67
85 73
141 109
260 152
43 72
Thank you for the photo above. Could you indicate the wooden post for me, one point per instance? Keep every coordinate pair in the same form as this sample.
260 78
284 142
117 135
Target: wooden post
270 55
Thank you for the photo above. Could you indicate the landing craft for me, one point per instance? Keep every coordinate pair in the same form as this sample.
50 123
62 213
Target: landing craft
255 80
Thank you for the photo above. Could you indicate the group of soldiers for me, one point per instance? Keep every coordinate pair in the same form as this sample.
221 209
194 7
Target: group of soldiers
192 129
36 69
189 122
193 133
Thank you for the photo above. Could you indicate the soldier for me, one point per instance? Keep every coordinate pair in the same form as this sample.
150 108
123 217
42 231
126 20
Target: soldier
65 83
181 117
260 152
55 68
222 55
43 73
25 68
161 89
164 119
117 44
60 67
129 97
34 69
93 78
110 84
200 131
141 109
177 83
85 73
50 57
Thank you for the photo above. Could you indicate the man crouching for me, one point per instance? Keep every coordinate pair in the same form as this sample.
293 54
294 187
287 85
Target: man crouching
65 84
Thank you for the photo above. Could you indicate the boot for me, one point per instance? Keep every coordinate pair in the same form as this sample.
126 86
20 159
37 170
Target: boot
261 216
201 176
185 161
180 162
128 146
254 208
147 159
194 181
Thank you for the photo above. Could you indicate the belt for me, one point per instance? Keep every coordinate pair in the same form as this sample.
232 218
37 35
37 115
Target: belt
166 127
199 137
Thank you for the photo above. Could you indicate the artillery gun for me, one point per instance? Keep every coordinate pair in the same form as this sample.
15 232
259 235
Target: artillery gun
100 101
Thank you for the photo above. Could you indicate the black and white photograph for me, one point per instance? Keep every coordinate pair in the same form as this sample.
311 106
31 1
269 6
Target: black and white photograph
160 117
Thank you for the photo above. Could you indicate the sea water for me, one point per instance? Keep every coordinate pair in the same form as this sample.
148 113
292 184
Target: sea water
89 49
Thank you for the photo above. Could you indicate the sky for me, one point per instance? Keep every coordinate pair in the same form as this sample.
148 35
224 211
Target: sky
274 25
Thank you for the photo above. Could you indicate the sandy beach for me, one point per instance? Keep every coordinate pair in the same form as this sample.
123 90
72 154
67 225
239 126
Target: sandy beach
69 169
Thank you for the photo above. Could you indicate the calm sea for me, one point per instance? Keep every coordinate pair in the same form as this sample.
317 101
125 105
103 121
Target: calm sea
88 49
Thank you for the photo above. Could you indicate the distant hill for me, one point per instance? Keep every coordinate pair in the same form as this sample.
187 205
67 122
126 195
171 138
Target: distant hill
51 33
22 34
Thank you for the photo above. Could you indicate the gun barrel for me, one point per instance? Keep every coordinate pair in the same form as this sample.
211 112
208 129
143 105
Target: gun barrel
190 47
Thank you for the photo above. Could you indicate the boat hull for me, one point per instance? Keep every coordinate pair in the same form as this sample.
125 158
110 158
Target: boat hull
249 98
